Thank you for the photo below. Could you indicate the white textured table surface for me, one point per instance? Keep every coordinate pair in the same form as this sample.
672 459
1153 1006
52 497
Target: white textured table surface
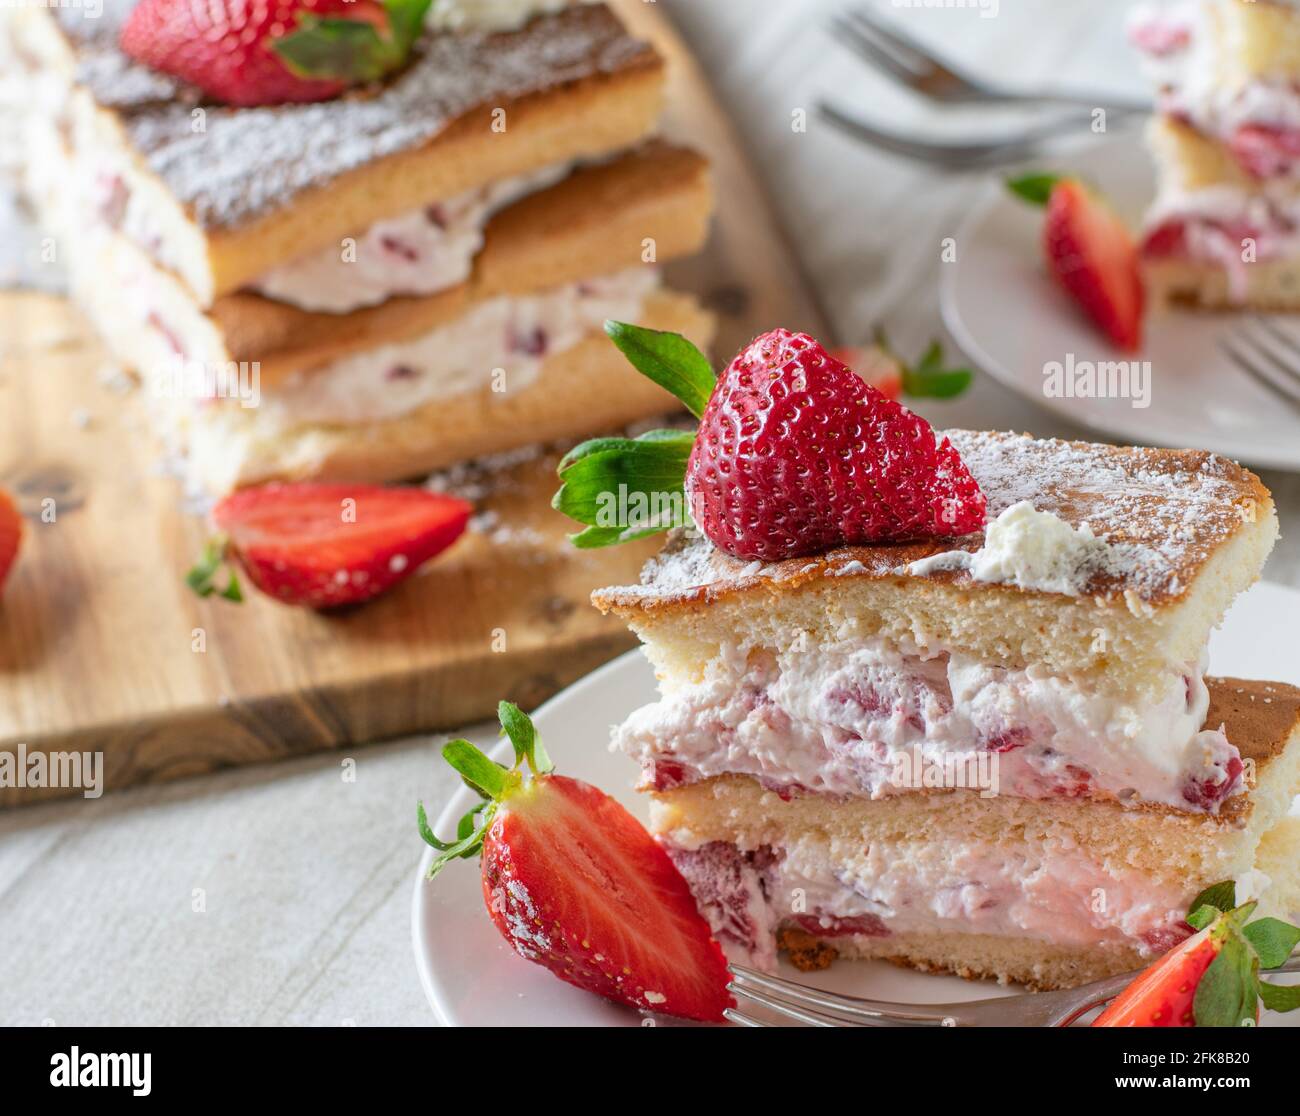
281 895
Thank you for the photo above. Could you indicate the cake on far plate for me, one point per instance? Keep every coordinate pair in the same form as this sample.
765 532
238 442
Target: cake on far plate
996 755
1224 229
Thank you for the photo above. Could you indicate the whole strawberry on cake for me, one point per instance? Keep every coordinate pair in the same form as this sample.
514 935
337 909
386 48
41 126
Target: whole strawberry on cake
936 697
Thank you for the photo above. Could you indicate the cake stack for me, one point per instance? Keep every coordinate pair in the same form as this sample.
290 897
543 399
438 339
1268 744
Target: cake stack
376 286
997 756
1224 230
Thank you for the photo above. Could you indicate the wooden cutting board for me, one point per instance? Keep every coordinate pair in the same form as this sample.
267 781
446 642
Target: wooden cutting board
103 649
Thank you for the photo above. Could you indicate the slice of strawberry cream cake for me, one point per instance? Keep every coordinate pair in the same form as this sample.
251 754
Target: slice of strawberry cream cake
938 698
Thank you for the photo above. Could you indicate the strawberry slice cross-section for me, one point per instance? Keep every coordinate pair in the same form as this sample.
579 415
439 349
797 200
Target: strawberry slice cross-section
575 883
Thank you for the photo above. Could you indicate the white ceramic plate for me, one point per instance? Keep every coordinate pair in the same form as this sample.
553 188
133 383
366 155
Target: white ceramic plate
1011 319
472 978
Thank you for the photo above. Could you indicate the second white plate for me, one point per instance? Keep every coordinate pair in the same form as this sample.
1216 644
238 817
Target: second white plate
1012 320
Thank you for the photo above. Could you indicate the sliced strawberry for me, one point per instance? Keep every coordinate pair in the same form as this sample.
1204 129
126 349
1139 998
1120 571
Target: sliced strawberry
1093 256
574 883
1212 978
11 535
325 545
1163 994
796 455
273 51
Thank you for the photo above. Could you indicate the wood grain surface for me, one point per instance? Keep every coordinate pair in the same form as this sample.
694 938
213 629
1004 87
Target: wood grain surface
103 648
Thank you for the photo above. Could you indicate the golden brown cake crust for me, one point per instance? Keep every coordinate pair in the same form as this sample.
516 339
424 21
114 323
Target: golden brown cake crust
1166 512
592 223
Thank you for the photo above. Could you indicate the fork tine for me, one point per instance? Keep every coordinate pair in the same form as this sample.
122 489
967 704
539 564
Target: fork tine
870 51
953 156
735 1015
920 56
1252 368
1286 341
861 1011
789 1011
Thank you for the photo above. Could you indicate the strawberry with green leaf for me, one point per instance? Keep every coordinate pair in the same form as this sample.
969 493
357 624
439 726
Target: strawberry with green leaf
1090 252
266 52
795 454
1212 979
575 883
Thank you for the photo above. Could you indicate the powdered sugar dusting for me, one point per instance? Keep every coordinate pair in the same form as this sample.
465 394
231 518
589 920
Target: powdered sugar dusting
245 163
1161 514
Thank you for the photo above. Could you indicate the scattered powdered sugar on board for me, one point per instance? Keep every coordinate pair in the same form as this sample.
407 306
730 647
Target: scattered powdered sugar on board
1161 513
247 162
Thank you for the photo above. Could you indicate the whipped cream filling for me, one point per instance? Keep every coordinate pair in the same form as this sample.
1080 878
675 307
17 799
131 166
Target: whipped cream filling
500 343
887 889
1188 55
419 253
865 717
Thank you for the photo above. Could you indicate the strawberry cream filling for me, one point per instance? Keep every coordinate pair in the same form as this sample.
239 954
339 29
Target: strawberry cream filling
1257 118
865 717
747 895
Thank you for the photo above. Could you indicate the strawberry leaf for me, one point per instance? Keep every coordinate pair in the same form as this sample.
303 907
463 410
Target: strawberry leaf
352 50
202 576
1279 997
1227 995
1221 896
668 359
625 488
931 379
1034 188
489 779
518 726
928 377
1273 939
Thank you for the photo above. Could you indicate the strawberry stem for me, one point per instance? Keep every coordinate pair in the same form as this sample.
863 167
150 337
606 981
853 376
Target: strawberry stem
201 577
492 781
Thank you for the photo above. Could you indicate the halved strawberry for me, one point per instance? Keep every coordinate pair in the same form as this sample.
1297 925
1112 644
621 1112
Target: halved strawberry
874 366
1091 253
1212 978
576 884
325 545
11 534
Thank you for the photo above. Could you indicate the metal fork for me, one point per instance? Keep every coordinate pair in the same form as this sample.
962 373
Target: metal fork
1268 354
811 1007
975 155
919 68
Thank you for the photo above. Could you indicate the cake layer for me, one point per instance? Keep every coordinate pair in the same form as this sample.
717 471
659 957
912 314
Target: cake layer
581 391
1087 888
1271 286
221 195
1229 69
598 220
1174 537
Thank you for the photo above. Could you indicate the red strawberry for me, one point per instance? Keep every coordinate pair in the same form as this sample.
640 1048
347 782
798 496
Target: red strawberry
1091 253
1212 978
264 52
11 535
875 366
324 545
1163 994
796 455
574 883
